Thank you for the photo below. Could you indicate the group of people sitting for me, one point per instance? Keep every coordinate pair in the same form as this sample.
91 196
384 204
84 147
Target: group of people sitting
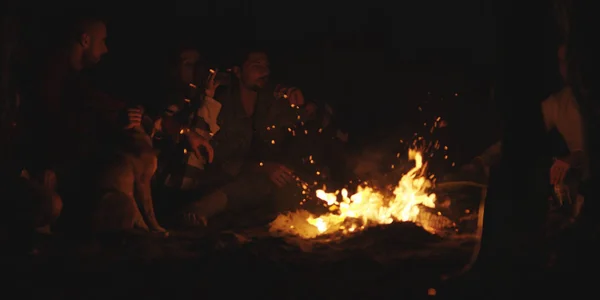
94 163
90 162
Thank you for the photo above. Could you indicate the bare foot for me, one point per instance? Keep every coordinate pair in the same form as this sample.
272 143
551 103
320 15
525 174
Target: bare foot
160 230
139 223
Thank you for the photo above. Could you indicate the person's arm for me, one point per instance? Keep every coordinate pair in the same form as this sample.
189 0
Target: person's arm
561 108
108 109
168 122
43 123
571 127
575 159
549 112
491 155
207 114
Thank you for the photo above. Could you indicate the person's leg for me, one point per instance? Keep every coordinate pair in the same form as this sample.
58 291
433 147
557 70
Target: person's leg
46 202
98 193
73 185
288 198
51 208
574 183
30 208
248 190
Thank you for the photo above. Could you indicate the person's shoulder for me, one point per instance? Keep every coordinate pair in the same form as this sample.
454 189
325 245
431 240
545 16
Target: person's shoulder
553 99
226 95
563 97
565 94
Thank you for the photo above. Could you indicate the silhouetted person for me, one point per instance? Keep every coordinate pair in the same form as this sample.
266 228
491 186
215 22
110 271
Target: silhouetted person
65 119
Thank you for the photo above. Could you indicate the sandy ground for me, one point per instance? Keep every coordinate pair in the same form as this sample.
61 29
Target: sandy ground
239 257
401 259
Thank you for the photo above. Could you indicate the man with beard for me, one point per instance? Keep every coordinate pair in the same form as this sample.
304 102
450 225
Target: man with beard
64 118
245 123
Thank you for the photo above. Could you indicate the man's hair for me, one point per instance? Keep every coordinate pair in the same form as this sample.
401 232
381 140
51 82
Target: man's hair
181 47
243 53
75 27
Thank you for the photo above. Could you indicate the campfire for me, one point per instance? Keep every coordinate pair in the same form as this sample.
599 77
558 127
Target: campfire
349 214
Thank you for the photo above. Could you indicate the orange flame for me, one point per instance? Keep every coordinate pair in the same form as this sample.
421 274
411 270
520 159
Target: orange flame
366 207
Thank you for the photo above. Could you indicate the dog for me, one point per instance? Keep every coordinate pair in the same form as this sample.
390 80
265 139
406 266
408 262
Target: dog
125 182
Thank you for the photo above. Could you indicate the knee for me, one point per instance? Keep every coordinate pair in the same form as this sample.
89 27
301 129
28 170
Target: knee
210 205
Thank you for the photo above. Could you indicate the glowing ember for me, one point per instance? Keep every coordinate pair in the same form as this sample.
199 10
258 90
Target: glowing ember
365 208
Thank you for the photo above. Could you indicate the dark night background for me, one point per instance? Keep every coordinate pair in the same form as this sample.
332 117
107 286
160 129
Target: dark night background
374 62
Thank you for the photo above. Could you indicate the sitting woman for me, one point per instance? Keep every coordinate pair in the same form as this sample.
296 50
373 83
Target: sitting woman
179 168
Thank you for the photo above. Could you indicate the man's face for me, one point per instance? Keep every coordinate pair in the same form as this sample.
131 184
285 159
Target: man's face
255 71
96 45
187 66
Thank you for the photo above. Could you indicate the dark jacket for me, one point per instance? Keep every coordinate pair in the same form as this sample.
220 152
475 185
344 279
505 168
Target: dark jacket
62 115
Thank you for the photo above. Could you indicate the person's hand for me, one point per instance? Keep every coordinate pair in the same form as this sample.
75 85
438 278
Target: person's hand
211 84
279 174
170 126
157 125
156 228
197 141
134 117
292 94
558 171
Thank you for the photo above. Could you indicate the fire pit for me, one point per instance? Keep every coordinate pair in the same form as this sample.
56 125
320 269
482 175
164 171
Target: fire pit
350 214
405 226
